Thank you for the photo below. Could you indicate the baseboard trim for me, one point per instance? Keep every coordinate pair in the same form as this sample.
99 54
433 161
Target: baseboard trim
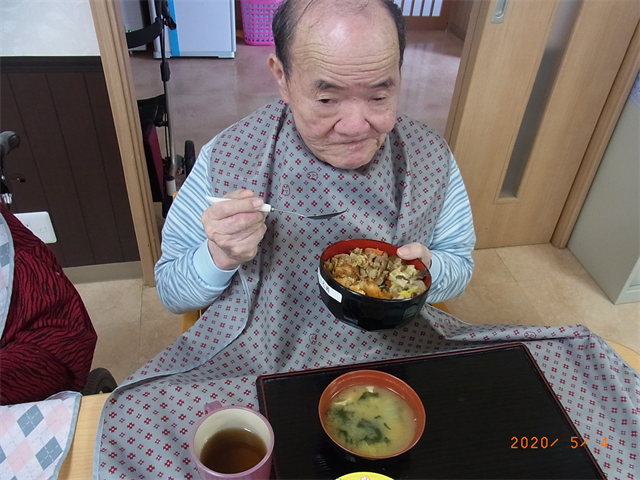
630 295
104 273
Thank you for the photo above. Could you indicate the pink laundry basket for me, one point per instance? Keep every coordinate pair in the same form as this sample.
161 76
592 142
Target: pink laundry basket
257 16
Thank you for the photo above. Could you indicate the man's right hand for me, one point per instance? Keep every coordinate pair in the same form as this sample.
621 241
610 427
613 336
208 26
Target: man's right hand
234 229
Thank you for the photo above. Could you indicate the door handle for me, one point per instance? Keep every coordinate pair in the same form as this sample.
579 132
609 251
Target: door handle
498 12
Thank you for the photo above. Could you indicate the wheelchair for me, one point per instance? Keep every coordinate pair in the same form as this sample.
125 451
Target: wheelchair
100 380
164 173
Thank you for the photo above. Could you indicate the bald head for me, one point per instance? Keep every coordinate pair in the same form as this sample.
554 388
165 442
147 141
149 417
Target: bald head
342 76
295 16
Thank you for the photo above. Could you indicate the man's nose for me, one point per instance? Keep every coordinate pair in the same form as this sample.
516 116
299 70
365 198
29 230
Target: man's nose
353 120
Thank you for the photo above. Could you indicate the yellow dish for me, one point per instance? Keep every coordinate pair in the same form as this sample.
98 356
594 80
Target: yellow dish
364 476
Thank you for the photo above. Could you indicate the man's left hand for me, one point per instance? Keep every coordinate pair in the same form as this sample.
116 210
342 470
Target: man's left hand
412 251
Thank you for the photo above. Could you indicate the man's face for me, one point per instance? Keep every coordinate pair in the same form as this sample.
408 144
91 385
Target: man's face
343 85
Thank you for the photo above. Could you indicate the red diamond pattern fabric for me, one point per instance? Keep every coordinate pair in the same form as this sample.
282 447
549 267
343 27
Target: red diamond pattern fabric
271 318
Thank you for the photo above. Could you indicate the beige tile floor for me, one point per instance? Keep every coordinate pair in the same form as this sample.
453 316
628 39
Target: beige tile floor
535 285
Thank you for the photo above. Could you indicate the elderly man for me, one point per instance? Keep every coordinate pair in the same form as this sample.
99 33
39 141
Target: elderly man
335 141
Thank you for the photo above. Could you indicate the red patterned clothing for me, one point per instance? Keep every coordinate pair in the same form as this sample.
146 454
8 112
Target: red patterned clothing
48 340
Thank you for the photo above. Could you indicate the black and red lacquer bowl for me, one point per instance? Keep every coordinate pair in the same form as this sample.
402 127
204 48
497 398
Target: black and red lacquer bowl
362 311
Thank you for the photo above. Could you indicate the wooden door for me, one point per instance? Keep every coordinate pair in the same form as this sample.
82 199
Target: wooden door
490 117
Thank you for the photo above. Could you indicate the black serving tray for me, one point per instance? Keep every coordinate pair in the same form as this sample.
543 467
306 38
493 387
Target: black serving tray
480 404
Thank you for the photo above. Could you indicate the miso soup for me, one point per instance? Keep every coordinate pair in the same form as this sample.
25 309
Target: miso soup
370 421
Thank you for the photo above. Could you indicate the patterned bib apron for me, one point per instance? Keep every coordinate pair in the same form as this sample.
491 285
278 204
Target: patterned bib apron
271 318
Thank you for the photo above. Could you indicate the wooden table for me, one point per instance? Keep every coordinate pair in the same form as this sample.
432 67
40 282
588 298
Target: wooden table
79 462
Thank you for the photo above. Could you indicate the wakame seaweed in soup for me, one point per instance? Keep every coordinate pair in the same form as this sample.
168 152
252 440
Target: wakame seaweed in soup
370 421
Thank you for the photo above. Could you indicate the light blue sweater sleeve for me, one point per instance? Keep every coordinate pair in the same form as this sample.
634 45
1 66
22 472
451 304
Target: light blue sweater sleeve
453 241
186 276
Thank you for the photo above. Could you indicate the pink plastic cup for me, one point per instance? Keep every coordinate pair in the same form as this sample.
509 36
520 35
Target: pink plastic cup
219 418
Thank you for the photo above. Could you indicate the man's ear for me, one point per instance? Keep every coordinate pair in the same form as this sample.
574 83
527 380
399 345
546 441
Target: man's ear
275 65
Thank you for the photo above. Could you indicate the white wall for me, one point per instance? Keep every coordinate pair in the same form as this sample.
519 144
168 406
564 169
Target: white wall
47 28
606 237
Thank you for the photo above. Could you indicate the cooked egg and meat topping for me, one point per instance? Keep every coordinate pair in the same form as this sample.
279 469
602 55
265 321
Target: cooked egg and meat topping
374 273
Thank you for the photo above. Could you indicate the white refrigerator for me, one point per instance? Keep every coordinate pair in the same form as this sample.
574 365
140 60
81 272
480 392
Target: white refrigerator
205 28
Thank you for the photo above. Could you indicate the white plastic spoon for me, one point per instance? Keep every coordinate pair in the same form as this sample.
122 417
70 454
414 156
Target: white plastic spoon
268 208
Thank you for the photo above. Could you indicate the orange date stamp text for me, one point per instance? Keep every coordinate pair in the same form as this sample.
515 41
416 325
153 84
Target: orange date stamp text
534 443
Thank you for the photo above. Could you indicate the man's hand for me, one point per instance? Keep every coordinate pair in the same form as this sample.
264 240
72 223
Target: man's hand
412 251
234 229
